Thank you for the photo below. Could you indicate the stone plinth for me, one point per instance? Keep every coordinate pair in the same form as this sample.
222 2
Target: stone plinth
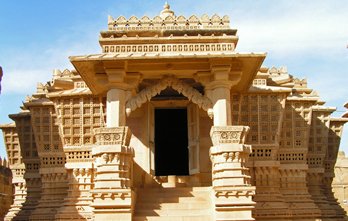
112 194
231 181
54 190
20 193
270 203
76 205
315 187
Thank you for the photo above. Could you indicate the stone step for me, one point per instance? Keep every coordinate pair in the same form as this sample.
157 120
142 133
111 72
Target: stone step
172 212
172 192
179 203
167 199
175 189
172 218
172 206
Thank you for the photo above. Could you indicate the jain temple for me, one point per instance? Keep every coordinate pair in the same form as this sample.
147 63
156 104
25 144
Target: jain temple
169 122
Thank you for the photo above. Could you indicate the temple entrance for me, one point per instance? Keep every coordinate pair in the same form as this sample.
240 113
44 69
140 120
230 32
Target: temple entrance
171 142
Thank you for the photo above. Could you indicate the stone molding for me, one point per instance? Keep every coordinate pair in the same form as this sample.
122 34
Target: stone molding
168 23
182 48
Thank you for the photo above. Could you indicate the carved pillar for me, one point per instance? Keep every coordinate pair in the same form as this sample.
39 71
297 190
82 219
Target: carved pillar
231 181
115 108
112 194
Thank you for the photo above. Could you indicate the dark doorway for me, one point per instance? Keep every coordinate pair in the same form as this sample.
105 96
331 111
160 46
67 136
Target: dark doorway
171 153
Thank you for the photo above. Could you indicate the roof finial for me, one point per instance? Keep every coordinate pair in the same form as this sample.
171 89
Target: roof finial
166 11
166 5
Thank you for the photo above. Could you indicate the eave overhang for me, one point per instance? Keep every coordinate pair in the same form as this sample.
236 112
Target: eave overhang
93 68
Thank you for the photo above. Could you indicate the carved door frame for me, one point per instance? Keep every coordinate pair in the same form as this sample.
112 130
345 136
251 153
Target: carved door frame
193 131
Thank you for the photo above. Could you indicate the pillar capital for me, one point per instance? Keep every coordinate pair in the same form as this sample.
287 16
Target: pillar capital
115 75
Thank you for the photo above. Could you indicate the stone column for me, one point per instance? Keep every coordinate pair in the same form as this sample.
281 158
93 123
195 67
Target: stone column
115 108
112 194
231 181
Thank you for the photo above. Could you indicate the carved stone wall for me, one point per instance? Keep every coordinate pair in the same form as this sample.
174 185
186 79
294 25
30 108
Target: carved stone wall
17 168
340 181
273 161
31 161
52 158
78 116
6 197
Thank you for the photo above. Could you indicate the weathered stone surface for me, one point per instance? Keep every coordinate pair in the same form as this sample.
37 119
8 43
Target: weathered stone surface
257 143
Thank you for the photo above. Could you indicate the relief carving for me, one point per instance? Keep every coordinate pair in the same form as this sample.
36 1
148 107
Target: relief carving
228 134
110 136
191 93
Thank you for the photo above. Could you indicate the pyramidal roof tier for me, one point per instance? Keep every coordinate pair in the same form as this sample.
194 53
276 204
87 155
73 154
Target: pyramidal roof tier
169 28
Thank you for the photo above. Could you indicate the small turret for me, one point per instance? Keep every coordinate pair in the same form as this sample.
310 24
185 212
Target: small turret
166 11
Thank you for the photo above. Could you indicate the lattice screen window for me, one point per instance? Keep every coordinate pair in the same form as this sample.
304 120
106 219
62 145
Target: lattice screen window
319 132
46 133
236 98
12 145
45 128
26 136
261 113
334 139
258 82
286 135
79 116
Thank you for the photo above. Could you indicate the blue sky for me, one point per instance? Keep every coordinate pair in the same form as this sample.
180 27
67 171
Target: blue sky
309 37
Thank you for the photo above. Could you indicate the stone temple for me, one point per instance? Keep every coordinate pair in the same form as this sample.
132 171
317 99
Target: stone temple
170 122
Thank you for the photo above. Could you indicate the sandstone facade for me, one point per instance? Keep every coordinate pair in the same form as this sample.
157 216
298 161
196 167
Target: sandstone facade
169 122
5 188
340 182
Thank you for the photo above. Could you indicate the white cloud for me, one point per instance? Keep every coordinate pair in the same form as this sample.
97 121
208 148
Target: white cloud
23 69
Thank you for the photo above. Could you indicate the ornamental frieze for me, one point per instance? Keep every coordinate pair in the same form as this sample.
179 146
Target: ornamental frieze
111 136
228 134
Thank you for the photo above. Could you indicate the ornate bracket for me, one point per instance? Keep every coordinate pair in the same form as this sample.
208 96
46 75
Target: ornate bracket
169 81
